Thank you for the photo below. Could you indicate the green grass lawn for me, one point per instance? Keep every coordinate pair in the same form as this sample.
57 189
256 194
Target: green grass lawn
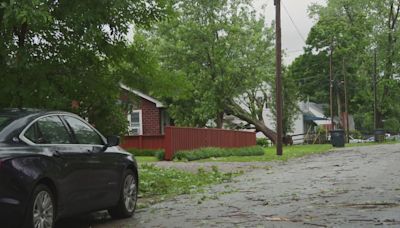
157 184
146 159
370 143
270 154
288 152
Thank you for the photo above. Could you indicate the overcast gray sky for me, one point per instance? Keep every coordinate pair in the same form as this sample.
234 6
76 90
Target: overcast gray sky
292 41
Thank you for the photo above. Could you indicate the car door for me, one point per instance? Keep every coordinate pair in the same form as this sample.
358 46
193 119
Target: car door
73 174
105 167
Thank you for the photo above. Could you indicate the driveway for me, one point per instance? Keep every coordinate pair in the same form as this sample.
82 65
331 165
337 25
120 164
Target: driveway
355 187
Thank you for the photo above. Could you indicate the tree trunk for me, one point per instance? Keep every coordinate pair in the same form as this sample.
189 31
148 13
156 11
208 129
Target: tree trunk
237 111
21 33
339 104
390 52
379 119
220 120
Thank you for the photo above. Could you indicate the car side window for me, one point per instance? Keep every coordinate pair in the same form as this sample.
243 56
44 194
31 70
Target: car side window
32 133
48 130
83 133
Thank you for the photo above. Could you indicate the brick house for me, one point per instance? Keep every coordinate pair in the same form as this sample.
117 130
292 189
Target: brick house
146 115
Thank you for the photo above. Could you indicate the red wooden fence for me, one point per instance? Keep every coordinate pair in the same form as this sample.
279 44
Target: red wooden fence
176 139
143 142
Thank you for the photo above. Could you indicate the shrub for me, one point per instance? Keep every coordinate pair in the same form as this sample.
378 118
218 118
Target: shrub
204 153
392 125
264 142
160 155
356 134
148 153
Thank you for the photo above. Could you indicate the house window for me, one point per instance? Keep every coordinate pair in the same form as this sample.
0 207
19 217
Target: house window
135 122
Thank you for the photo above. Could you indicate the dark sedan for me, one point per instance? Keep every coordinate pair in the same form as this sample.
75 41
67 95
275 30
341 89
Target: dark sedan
55 165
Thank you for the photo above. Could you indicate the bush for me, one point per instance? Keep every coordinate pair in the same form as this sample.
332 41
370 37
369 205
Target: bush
356 134
204 153
264 142
392 125
159 154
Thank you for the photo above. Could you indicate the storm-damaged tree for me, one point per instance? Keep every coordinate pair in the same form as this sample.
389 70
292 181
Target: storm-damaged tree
225 51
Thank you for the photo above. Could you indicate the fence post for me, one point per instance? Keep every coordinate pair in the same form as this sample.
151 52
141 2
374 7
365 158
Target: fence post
168 144
140 141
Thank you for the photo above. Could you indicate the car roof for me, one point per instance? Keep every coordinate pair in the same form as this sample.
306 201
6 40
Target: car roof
24 112
20 117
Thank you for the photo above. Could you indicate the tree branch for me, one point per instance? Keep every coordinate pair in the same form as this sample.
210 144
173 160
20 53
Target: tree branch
396 16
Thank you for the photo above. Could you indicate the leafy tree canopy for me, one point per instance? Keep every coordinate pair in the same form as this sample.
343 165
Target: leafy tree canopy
223 50
54 52
353 31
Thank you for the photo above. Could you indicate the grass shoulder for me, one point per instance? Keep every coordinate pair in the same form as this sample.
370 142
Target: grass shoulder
270 154
158 184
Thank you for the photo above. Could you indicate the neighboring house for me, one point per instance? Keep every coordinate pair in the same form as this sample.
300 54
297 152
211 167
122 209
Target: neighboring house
145 114
307 121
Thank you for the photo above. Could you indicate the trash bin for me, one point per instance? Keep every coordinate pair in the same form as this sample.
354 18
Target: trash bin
337 138
379 135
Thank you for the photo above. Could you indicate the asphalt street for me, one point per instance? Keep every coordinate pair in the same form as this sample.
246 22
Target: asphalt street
351 187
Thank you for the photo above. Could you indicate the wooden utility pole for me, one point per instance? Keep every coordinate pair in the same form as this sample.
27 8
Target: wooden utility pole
375 93
346 103
279 103
331 84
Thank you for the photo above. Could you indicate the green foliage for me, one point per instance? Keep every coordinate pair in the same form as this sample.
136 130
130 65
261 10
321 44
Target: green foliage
221 49
263 142
289 152
143 152
392 125
365 122
322 130
56 52
159 153
146 159
356 134
353 31
204 153
159 182
291 97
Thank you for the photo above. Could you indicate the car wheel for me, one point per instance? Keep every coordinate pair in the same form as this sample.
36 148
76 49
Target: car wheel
128 196
41 210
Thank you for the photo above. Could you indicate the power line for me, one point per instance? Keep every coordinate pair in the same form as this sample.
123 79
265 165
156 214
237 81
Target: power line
293 23
294 51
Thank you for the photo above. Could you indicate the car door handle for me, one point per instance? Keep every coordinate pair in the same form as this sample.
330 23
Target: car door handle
56 154
89 152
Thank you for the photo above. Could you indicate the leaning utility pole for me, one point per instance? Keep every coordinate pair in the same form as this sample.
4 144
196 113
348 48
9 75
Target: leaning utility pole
331 84
279 103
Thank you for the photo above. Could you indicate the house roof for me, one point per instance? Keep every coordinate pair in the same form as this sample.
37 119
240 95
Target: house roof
158 103
314 112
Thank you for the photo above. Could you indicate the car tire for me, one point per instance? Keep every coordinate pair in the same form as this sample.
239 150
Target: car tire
41 210
128 197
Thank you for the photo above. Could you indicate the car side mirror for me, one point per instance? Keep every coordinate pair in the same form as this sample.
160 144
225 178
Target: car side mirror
112 141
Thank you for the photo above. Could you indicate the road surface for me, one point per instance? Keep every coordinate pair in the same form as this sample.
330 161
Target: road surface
351 187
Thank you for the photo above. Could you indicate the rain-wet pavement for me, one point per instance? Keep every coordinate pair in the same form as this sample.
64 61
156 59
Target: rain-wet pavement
352 187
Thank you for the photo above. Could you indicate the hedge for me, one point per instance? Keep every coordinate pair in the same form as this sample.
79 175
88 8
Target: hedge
159 154
263 142
204 153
